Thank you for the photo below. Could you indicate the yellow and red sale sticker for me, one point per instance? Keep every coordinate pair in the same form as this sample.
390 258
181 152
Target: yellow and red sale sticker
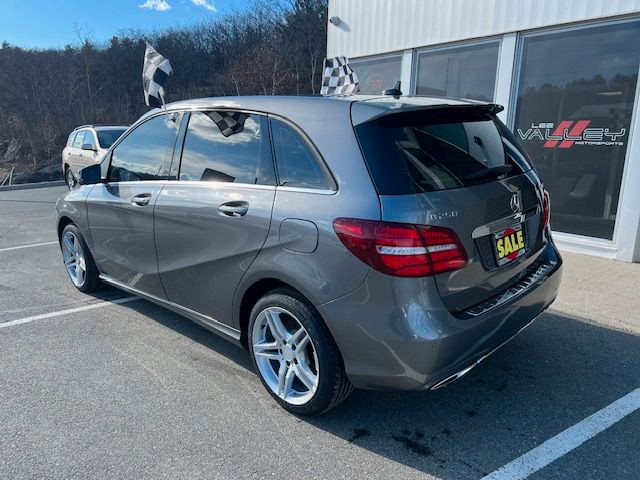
510 244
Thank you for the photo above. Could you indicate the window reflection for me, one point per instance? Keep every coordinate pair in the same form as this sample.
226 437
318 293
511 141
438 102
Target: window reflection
298 166
377 74
575 99
146 152
462 72
226 146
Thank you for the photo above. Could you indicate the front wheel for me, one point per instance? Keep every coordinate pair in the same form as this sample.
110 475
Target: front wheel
295 355
69 179
78 261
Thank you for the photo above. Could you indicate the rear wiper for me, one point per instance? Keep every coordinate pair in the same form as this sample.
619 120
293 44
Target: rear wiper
490 172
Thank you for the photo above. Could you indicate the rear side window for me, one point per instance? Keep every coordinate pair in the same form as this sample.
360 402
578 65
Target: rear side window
79 140
71 138
426 151
145 153
227 146
298 163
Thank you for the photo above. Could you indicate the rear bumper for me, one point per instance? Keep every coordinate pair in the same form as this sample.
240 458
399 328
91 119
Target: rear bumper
395 333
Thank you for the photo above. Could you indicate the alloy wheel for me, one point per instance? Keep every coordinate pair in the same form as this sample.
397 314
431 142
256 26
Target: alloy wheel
285 355
71 181
74 260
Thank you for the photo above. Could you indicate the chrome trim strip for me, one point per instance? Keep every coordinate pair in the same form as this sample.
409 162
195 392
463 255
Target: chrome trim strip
503 223
512 292
318 191
204 184
199 318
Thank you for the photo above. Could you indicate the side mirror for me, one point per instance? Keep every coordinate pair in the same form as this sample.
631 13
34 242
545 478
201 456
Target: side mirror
88 146
90 175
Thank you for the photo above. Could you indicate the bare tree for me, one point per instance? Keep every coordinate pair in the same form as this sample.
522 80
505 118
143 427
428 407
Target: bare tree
273 47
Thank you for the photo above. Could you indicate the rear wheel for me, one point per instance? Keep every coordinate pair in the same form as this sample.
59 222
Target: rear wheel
69 179
295 355
78 261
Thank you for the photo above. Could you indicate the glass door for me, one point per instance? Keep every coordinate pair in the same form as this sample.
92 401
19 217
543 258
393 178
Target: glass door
575 97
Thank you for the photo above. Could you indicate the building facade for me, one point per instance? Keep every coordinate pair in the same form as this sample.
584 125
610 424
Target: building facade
566 72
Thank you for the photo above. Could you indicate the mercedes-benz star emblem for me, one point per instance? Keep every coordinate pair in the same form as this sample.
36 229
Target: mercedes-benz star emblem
515 203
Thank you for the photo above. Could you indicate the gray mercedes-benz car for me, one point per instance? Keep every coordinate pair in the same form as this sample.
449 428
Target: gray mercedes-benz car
368 242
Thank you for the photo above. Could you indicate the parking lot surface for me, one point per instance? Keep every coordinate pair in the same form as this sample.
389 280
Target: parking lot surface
90 388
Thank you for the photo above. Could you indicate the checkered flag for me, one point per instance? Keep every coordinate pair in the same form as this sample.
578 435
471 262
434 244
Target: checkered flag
339 78
155 71
229 123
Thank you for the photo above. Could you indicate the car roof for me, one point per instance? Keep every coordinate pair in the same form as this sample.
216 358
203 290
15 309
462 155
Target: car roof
111 127
100 127
303 106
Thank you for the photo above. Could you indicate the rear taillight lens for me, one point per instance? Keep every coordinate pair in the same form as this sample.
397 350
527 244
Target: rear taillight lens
402 250
546 209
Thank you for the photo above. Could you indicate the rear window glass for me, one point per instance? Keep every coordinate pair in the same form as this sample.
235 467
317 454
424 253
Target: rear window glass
426 151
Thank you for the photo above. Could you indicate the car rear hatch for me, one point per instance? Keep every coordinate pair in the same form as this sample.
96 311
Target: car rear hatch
458 167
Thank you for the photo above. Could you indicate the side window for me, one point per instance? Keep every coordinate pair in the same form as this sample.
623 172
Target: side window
226 146
146 152
89 138
71 138
77 142
298 164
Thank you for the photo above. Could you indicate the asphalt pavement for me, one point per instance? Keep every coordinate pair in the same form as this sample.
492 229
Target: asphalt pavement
90 388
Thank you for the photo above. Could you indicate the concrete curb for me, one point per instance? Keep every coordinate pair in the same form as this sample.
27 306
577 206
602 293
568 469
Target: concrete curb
25 186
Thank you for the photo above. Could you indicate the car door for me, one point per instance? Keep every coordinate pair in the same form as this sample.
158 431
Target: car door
88 150
211 223
66 151
120 210
75 152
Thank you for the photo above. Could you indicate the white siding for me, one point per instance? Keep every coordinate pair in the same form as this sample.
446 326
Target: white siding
371 27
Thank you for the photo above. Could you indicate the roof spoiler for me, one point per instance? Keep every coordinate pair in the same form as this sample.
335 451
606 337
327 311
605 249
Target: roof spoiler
414 114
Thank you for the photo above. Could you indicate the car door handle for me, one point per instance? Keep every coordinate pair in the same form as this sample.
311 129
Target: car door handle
234 209
142 200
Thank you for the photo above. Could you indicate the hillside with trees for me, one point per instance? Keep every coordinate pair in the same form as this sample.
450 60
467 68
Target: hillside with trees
272 48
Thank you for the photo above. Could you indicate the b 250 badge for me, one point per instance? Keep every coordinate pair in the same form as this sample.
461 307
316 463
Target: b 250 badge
443 215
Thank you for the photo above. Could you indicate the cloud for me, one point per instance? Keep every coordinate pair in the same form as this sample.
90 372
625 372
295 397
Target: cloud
158 5
205 4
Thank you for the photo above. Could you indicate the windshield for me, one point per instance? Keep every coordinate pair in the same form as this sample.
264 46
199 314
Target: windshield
426 151
107 137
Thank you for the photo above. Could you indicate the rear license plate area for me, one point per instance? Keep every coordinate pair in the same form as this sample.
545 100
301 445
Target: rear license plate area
509 244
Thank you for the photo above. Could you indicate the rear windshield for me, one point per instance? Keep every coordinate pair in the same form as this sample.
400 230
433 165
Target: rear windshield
431 150
107 137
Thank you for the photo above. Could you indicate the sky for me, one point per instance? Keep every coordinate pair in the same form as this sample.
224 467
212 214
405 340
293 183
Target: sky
52 23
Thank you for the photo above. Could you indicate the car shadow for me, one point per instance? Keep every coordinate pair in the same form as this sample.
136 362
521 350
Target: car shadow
557 372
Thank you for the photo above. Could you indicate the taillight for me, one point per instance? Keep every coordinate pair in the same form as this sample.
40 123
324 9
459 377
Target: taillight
402 250
546 209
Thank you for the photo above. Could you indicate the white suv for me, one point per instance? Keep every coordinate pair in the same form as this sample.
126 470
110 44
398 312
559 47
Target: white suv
86 146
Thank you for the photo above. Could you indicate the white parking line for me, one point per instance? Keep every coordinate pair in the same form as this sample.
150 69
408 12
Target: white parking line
571 438
59 313
28 246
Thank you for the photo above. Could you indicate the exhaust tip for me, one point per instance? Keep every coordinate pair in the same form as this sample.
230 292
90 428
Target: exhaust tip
453 378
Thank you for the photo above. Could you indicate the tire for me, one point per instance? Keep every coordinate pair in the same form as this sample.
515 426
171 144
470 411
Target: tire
80 267
307 358
69 179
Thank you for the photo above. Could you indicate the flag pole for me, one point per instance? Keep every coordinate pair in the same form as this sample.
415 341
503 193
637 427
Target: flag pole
164 106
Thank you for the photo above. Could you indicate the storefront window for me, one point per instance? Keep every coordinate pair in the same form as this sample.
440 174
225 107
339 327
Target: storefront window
377 74
573 114
462 72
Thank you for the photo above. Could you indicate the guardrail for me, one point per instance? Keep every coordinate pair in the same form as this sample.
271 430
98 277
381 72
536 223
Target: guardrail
24 186
8 177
